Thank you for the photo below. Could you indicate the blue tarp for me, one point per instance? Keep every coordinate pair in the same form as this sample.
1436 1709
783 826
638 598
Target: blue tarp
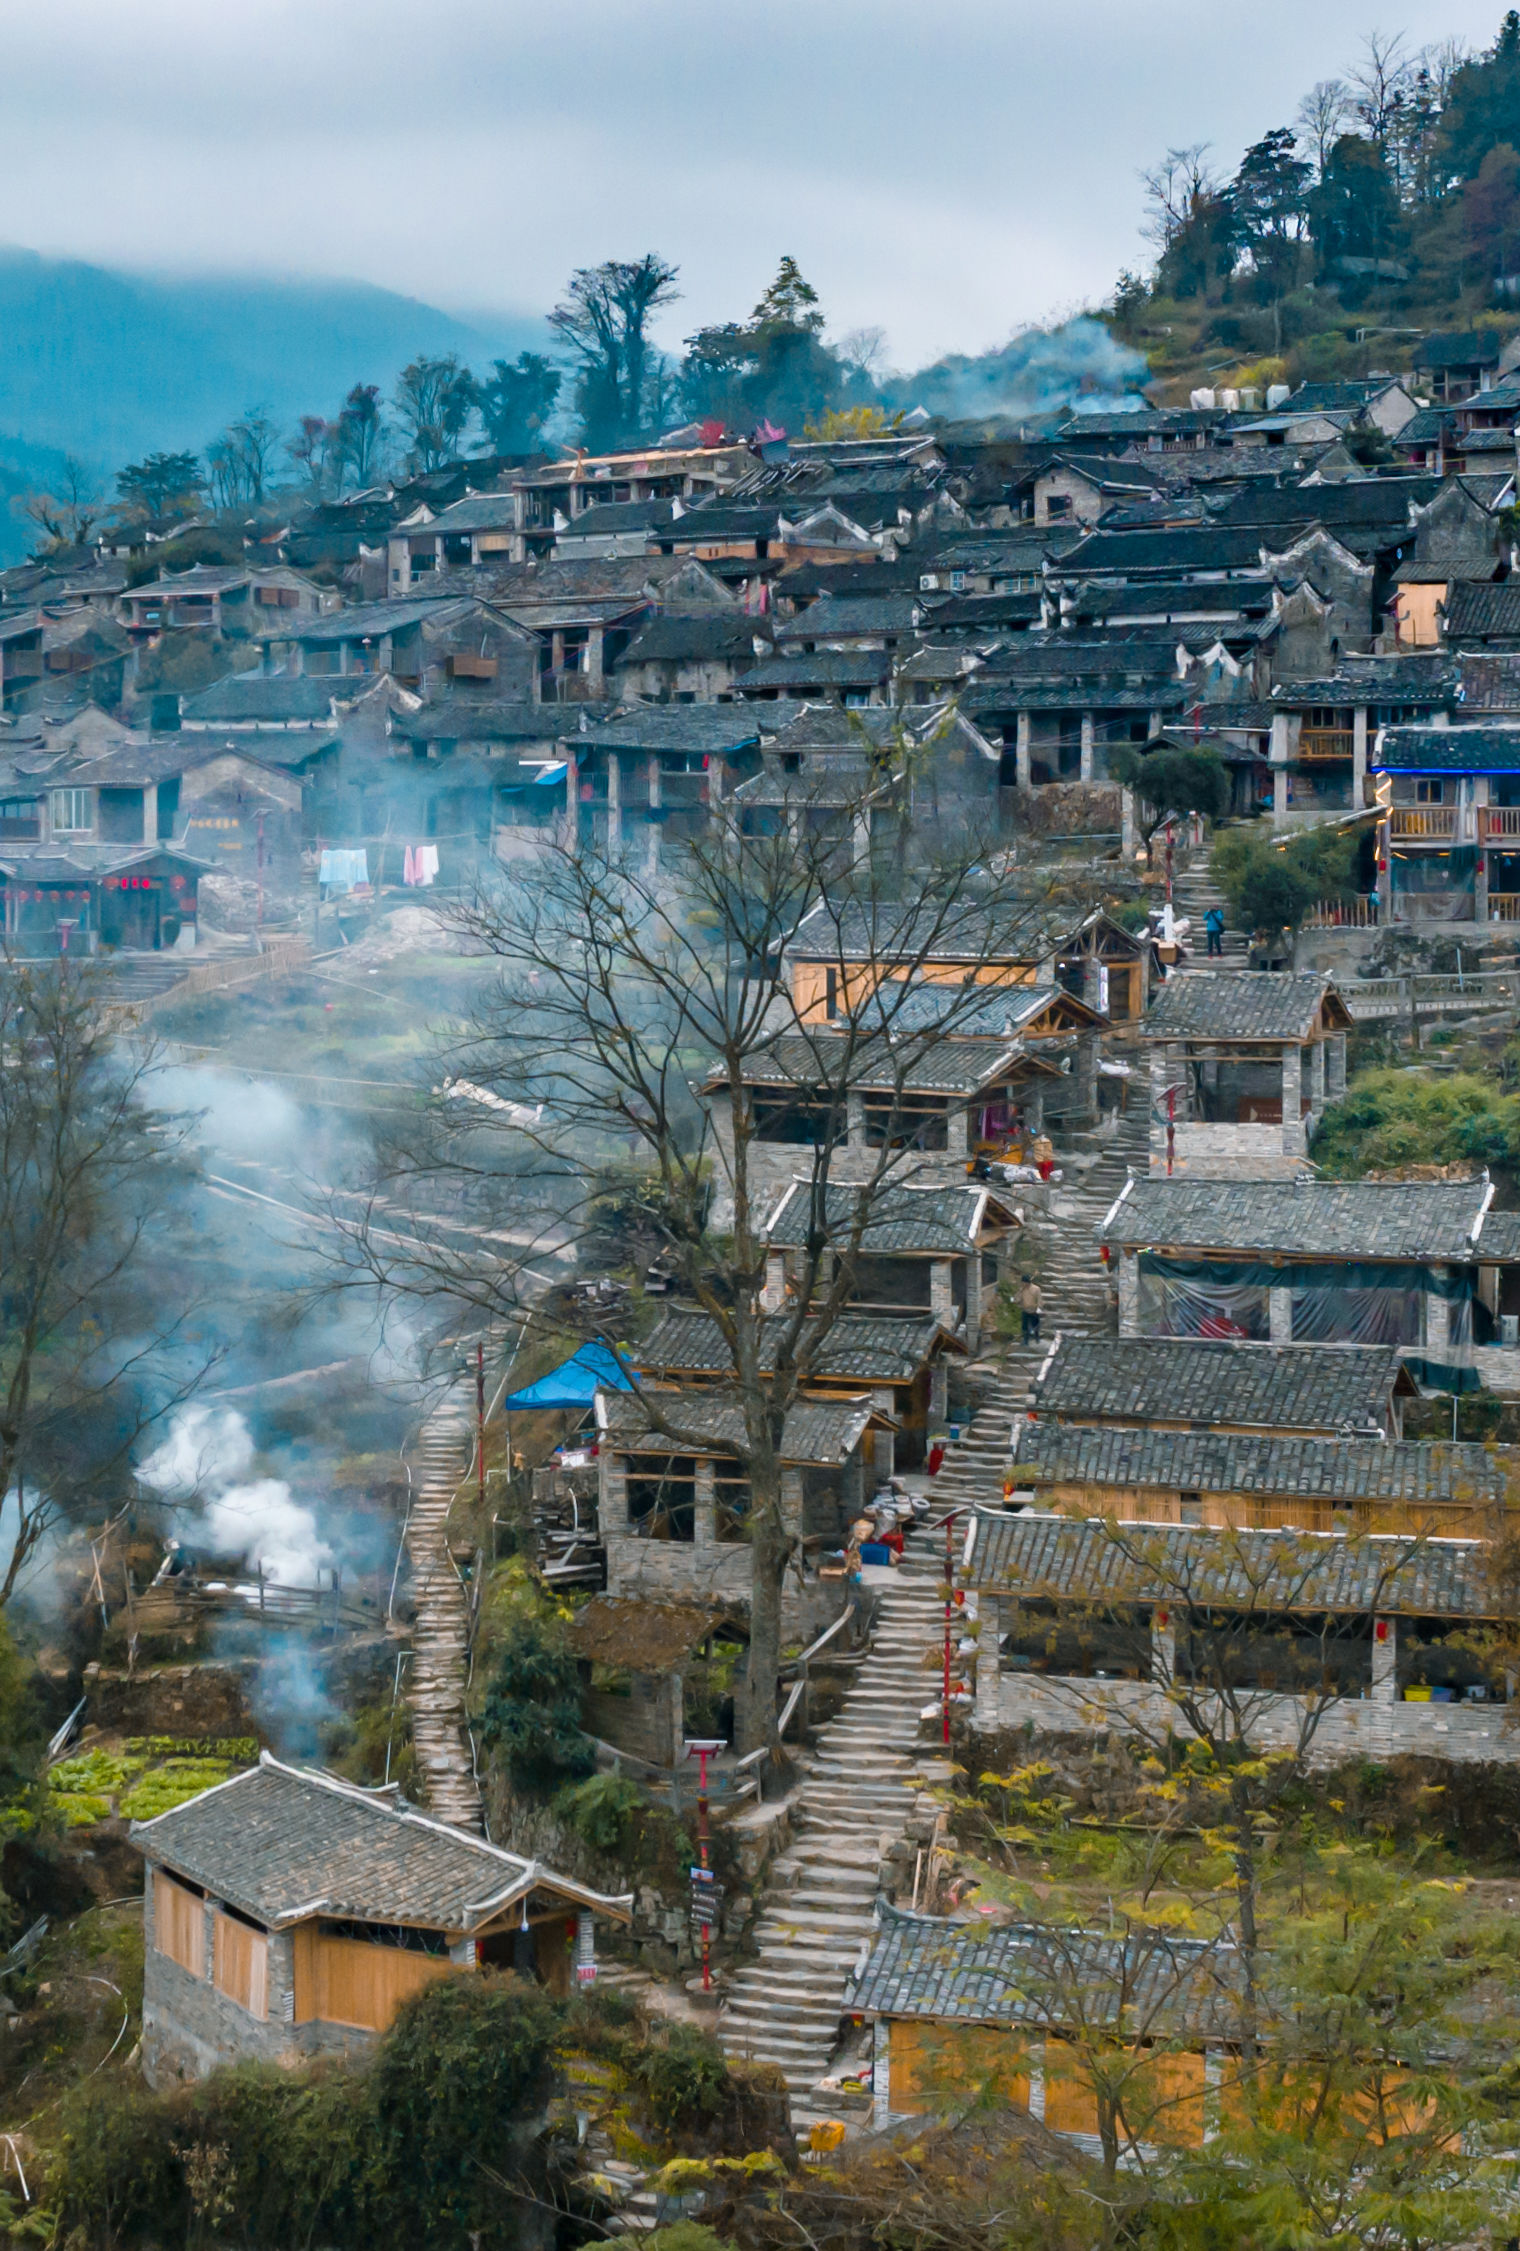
576 1382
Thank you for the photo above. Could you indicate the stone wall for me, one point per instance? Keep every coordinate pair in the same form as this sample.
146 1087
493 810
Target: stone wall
189 2029
1225 1152
1348 1727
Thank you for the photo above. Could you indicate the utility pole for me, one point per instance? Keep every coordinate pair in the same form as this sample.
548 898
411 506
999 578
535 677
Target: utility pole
258 925
704 1890
480 1422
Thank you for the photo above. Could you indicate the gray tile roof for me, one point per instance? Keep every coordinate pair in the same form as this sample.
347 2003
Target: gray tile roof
248 698
1342 1219
925 1221
1328 1388
370 620
825 668
1082 1559
818 1431
830 1060
715 730
282 1845
1446 750
1277 1466
1043 1974
961 930
1477 610
1500 1239
1251 1004
1467 347
1400 680
692 640
860 1347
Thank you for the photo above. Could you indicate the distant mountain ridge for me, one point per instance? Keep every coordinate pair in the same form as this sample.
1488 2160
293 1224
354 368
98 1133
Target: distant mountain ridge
109 365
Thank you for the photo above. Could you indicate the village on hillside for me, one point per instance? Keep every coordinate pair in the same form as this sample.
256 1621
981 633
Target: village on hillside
760 1282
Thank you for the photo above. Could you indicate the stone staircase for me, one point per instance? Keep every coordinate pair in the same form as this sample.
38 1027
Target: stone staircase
1194 891
1074 1287
817 1914
131 978
440 1462
972 1469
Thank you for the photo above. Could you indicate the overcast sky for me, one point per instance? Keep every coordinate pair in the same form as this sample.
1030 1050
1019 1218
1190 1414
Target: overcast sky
947 170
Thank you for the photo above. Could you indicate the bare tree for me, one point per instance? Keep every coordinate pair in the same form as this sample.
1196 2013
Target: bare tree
626 1021
603 320
435 400
238 463
1175 189
1379 82
89 1360
1321 116
66 517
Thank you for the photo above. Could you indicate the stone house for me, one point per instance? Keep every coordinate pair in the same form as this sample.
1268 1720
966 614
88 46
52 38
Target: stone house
1449 836
288 1914
230 600
856 1097
913 776
900 1359
695 659
939 1250
1243 1066
1102 1627
635 1657
1454 366
1324 730
431 647
1079 488
1322 1261
1298 1391
673 1502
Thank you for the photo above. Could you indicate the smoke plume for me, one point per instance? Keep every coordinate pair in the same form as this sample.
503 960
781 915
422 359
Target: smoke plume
1078 364
205 1459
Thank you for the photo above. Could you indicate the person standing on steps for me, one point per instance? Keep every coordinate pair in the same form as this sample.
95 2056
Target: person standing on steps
1213 925
1029 1309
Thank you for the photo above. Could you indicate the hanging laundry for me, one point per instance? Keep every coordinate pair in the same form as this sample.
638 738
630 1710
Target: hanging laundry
409 866
427 862
343 870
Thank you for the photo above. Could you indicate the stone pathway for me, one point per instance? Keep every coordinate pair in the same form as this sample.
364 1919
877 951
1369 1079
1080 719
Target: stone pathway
817 1914
440 1462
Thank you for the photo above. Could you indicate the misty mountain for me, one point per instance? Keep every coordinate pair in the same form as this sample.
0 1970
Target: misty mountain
109 365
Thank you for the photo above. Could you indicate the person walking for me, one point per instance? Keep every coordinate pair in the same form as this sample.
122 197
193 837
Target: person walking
1029 1309
1213 924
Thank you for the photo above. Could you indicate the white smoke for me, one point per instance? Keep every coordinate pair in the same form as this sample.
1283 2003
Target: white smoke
1040 368
205 1459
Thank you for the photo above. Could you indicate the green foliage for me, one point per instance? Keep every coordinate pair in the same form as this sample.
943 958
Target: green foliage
467 2061
1173 781
1272 886
516 401
1391 1118
602 1811
161 484
683 2078
531 1715
152 1774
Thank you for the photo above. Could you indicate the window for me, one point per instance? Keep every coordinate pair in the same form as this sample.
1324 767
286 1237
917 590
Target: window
831 993
914 1121
662 1496
731 1496
71 810
1429 793
1190 1507
801 1125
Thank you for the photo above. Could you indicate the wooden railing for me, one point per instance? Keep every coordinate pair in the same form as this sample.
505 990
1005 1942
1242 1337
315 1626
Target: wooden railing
1360 913
1326 742
1498 821
1423 822
1504 906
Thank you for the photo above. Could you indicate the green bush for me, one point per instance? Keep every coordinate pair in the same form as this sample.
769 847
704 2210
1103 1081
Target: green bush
684 2079
468 2063
1272 885
1391 1118
602 1811
532 1709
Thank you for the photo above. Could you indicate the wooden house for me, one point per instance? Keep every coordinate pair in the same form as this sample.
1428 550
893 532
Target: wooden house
923 1249
1243 1066
961 2007
899 1359
1198 1384
842 951
288 1914
1262 1480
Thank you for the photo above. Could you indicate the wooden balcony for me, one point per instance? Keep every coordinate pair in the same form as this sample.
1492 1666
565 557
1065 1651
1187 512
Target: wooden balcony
1423 824
1499 823
1326 742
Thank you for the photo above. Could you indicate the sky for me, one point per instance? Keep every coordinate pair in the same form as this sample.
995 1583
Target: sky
945 170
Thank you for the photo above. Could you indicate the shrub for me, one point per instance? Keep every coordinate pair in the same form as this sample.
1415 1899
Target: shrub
602 1811
468 2063
532 1708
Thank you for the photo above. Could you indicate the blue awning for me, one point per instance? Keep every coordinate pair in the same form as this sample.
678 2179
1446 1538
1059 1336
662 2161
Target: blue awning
575 1382
551 774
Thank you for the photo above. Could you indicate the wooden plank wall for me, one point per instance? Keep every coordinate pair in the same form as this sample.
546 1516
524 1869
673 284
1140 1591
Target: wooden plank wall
347 1981
240 1964
179 1924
